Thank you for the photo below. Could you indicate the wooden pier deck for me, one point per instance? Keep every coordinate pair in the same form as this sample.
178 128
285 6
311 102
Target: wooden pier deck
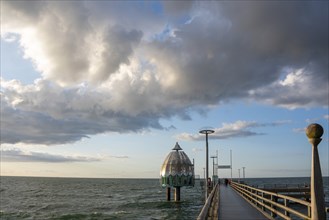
239 201
234 206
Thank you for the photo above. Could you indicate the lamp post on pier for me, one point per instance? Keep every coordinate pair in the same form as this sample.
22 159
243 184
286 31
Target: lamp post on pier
314 133
239 175
231 164
213 168
206 132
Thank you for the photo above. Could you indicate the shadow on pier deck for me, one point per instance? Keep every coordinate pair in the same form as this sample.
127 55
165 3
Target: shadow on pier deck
233 206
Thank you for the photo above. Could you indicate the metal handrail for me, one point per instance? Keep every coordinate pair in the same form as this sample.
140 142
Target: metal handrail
256 195
205 209
274 204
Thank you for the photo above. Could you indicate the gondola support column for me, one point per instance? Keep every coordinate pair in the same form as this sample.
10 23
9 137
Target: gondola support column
177 194
168 193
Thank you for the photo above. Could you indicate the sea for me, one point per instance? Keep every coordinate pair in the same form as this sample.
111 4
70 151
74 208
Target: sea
86 198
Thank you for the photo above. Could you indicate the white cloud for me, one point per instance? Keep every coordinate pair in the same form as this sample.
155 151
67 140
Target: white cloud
299 89
120 157
195 149
69 49
299 130
293 78
17 155
231 130
9 37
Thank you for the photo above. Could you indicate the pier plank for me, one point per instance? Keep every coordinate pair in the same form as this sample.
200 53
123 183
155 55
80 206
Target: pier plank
233 206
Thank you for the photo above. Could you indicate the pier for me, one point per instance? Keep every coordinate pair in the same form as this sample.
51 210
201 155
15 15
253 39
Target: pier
236 200
233 206
240 201
225 203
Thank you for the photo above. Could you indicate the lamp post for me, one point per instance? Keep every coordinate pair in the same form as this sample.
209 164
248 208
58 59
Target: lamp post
204 177
217 164
206 132
239 176
213 167
314 133
244 176
231 163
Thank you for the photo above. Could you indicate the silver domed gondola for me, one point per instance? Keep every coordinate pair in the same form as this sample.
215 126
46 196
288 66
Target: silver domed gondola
177 171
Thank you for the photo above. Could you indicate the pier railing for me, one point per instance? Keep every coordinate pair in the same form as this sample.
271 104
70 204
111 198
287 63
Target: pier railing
210 208
268 202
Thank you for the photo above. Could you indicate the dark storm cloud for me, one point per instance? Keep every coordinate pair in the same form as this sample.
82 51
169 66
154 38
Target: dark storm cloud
118 45
177 7
230 48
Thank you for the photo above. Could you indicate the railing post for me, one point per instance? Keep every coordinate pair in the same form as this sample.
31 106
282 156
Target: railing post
314 133
250 191
309 211
257 199
274 199
251 194
263 207
286 204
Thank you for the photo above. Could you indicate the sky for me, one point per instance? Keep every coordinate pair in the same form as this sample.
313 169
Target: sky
105 89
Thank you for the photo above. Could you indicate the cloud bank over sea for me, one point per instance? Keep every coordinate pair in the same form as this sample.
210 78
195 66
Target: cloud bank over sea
108 66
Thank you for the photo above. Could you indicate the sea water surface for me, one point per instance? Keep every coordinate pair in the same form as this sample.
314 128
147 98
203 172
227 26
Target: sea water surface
83 198
79 198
